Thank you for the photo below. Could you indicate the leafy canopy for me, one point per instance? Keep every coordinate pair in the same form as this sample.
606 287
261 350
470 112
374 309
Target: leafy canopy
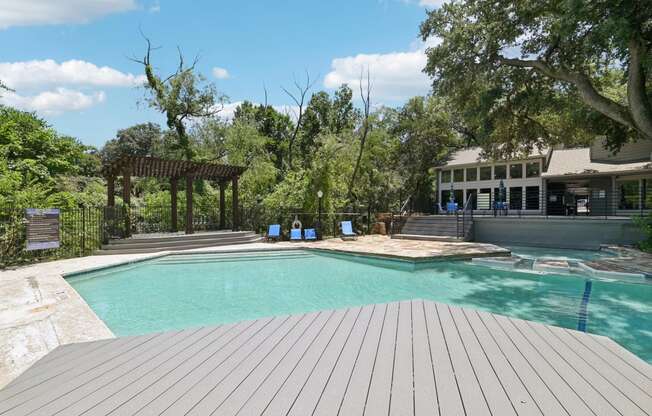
558 70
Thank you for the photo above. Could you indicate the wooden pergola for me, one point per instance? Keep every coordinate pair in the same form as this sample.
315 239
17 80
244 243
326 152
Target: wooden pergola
141 166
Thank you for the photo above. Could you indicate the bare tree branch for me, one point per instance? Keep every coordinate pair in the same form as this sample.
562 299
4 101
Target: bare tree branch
588 93
299 101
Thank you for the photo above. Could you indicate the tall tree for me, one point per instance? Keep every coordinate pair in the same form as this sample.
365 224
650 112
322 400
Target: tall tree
365 96
137 140
181 96
299 99
528 51
424 128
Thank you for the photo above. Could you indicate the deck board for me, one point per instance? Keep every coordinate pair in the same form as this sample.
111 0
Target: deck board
401 358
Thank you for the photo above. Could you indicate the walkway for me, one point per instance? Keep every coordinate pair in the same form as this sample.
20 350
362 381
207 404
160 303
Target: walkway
408 358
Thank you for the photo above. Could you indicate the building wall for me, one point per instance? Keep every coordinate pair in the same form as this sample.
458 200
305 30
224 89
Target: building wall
478 184
588 233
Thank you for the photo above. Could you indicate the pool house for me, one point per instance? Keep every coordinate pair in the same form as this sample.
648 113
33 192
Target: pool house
590 181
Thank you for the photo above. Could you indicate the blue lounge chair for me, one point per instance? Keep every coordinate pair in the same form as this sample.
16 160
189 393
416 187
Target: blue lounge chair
347 231
309 234
295 234
274 232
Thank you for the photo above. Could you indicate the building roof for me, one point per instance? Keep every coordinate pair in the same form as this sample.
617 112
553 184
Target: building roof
473 155
578 162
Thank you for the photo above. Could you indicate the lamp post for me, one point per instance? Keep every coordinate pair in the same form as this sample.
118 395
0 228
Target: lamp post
320 195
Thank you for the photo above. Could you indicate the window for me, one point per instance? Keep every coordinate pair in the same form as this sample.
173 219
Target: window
484 198
458 194
516 171
485 173
629 194
500 172
532 197
516 197
445 176
532 170
458 175
471 174
445 197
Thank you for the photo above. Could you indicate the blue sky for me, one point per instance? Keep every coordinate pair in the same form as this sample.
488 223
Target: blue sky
68 59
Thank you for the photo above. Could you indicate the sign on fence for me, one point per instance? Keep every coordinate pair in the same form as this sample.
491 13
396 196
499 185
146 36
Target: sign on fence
42 228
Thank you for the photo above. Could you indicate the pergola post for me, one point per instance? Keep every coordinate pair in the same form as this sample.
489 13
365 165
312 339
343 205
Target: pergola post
126 198
222 205
173 204
189 183
110 191
234 189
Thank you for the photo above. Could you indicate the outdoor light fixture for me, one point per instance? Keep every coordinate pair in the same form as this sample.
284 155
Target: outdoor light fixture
320 194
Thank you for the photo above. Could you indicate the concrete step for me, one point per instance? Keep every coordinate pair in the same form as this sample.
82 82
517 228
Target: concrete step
421 237
433 219
183 237
143 243
177 247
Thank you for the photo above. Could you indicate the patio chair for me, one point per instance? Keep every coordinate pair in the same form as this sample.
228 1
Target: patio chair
274 232
309 234
295 234
451 207
347 231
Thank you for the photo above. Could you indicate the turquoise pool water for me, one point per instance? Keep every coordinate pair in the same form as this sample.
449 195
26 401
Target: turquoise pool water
191 290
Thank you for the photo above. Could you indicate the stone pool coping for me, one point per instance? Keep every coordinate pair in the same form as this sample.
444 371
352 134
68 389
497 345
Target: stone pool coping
41 311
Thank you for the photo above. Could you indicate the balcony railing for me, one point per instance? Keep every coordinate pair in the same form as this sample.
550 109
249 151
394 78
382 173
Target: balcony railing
589 202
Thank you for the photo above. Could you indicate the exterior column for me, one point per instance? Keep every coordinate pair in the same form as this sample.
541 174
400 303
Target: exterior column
222 205
110 191
126 198
173 204
189 182
234 189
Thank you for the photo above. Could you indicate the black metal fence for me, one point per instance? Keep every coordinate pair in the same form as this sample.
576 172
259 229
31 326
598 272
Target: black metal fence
81 232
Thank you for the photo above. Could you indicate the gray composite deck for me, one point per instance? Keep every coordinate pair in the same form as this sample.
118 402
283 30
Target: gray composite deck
404 358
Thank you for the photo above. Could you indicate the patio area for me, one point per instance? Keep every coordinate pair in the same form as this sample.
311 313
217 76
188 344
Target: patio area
402 358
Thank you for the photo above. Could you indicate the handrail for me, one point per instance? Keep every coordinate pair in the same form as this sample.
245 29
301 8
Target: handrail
402 210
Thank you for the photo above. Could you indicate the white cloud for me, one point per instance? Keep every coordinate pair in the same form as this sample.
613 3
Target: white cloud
432 3
154 7
220 73
395 76
54 102
48 12
74 72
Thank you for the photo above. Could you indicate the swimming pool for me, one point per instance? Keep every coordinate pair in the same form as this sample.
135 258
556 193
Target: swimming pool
183 291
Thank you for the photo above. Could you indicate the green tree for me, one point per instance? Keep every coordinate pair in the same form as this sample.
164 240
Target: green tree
521 59
137 140
34 158
424 128
182 96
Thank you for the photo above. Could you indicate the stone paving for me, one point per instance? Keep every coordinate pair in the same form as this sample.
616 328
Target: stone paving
413 250
39 310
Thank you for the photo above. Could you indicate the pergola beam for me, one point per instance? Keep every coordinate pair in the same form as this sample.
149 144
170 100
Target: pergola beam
143 166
